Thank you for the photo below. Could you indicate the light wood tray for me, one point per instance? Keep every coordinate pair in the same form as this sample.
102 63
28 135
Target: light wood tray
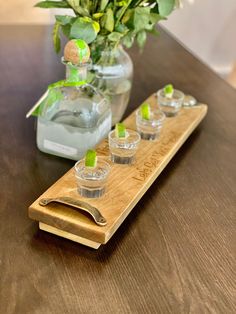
125 187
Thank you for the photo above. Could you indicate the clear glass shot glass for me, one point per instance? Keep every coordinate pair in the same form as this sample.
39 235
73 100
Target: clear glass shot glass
123 149
170 106
150 129
91 181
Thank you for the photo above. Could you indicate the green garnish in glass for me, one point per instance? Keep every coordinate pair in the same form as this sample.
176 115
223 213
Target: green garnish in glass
120 130
91 159
145 111
169 90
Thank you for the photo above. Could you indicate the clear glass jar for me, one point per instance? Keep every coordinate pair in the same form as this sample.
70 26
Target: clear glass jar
74 117
113 76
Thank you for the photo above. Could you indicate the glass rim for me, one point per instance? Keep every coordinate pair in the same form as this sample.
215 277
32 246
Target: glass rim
115 139
160 92
81 162
159 111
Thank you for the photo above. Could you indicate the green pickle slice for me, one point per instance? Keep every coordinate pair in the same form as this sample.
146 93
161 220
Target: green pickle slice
91 159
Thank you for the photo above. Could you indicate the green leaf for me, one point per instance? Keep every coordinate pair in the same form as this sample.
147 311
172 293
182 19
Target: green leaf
96 26
100 40
141 18
127 16
155 18
121 12
121 28
141 38
97 16
83 29
165 7
109 21
122 3
115 36
138 19
56 38
128 40
78 8
103 5
65 22
66 30
52 4
64 19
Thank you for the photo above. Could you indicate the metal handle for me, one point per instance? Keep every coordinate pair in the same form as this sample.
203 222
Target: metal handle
93 211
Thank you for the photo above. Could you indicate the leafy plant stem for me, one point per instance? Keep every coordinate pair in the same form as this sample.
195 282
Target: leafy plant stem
140 2
95 6
123 10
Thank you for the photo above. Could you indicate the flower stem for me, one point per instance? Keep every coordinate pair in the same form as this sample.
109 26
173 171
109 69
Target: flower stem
123 10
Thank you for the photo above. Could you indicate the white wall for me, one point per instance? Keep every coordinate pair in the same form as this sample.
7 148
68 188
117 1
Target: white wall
208 28
22 12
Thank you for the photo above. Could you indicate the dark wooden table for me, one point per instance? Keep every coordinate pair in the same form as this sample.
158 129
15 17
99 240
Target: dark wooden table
175 253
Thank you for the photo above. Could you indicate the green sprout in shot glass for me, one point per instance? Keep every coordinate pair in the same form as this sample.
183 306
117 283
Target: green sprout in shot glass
170 100
91 174
149 122
123 144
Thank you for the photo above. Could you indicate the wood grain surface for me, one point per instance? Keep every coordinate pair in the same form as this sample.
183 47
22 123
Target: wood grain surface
126 184
175 253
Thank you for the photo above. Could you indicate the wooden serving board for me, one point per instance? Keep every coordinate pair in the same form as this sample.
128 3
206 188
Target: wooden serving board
126 183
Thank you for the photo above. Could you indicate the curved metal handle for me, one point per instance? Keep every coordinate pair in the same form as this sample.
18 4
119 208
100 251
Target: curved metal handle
93 211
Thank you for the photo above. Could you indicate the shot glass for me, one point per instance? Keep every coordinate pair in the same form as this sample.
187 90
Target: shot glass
150 129
170 106
91 181
123 149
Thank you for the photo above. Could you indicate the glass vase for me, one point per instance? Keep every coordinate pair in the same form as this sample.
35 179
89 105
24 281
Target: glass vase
112 75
